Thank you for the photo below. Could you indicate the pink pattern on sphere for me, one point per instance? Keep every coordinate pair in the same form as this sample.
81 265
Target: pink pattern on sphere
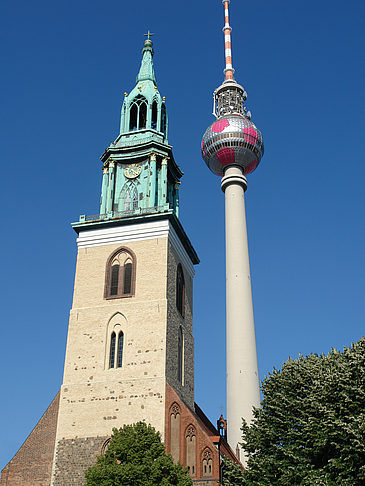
251 167
220 125
203 149
250 134
226 156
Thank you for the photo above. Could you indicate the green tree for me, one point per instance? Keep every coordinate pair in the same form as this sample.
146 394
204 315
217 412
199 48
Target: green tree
136 457
233 474
310 429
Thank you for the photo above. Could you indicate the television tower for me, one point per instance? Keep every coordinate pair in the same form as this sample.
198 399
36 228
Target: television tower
232 147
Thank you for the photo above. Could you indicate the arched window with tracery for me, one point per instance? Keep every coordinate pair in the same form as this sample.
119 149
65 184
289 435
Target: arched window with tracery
180 290
180 356
120 274
138 113
207 463
128 199
116 350
190 445
175 432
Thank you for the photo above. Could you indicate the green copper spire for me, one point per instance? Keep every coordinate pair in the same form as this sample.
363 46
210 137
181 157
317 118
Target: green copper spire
141 179
143 108
146 71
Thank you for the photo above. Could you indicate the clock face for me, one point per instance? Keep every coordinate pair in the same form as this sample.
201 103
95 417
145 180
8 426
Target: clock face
132 171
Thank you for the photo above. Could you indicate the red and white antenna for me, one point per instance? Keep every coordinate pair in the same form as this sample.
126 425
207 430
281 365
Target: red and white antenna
229 71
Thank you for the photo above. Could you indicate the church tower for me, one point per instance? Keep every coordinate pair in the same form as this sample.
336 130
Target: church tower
130 346
130 330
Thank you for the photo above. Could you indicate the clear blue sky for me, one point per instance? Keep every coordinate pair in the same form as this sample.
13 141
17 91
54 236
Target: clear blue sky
65 66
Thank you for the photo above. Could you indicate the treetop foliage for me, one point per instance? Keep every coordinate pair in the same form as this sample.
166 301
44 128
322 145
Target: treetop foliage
136 457
310 429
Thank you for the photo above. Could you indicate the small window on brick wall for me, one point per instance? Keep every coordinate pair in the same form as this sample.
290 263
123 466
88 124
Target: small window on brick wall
207 463
180 290
120 274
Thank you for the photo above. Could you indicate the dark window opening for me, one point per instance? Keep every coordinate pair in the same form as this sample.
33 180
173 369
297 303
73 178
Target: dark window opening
180 290
114 281
163 120
120 350
142 116
133 117
154 115
127 286
112 350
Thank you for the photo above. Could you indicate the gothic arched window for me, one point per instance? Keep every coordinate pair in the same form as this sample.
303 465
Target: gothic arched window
142 115
163 120
116 350
112 350
180 356
120 349
138 113
207 463
120 274
180 290
175 431
190 450
129 197
154 115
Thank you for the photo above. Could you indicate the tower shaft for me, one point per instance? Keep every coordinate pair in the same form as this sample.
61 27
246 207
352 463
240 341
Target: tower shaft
243 390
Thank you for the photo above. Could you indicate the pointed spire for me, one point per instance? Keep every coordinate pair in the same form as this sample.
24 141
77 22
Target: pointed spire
146 71
229 71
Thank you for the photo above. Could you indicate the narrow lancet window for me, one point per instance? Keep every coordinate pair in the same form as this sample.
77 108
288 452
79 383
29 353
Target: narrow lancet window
127 287
142 116
154 115
120 350
133 117
180 290
114 279
163 120
112 350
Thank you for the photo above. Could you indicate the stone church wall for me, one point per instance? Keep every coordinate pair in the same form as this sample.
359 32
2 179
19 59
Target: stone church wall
32 465
74 457
175 320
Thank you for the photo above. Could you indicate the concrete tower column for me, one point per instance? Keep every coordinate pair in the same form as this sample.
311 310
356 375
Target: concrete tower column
243 391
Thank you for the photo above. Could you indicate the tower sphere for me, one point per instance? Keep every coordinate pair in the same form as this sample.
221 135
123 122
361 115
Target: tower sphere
232 140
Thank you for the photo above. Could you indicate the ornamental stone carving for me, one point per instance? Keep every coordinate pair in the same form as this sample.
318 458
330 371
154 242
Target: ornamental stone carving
190 431
175 409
